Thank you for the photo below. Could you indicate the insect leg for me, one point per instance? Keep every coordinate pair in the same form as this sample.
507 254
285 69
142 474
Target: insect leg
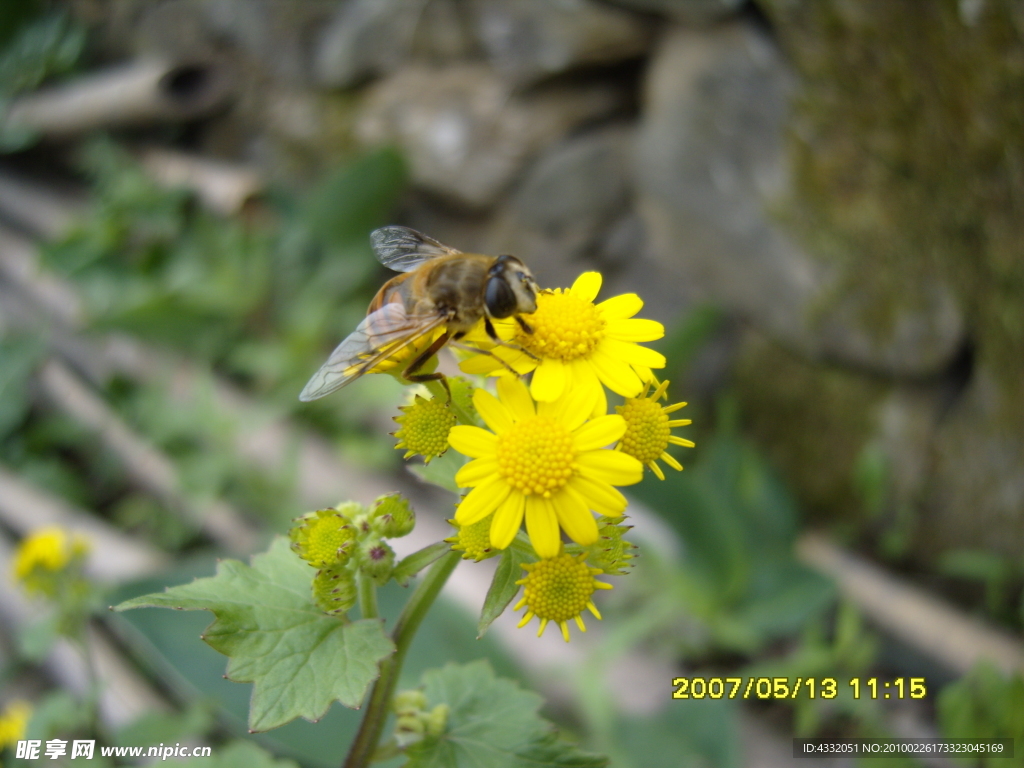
527 328
493 334
410 370
477 350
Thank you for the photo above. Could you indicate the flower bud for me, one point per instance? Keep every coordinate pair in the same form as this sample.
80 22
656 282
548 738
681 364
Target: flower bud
392 516
323 538
376 559
334 589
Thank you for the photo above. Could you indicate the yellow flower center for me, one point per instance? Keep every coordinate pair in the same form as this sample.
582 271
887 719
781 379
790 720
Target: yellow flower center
559 588
425 427
536 456
564 327
647 429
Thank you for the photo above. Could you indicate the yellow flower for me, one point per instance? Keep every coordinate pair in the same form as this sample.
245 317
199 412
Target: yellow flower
558 589
424 428
649 430
576 343
44 554
13 722
544 460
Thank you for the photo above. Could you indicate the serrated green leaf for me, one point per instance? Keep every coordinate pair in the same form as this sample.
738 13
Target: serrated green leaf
299 658
417 561
491 722
503 588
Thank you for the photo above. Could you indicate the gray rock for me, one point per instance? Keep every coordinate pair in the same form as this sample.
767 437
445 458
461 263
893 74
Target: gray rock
570 202
465 135
975 495
369 38
710 164
528 40
689 11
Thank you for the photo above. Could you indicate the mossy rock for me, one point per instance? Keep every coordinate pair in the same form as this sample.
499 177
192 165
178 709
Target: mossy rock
907 152
813 421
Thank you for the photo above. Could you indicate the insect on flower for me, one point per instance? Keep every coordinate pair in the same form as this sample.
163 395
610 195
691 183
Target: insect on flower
442 294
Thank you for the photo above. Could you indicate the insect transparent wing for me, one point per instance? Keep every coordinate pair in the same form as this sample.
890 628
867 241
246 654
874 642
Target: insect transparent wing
379 335
403 249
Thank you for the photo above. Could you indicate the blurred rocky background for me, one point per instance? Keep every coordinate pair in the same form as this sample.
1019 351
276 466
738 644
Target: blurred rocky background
843 179
834 189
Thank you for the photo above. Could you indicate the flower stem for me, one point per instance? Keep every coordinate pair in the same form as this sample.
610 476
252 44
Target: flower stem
365 743
367 597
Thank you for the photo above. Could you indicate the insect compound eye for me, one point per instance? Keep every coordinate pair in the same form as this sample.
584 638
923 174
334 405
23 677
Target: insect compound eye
499 297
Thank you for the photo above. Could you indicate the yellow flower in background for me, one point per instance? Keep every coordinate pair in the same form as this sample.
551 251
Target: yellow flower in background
544 461
14 722
45 553
649 429
558 589
576 343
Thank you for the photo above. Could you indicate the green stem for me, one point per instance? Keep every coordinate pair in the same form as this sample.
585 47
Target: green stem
367 596
365 744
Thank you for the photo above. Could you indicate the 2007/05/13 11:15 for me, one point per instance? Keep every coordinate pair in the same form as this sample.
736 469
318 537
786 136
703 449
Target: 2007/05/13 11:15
791 688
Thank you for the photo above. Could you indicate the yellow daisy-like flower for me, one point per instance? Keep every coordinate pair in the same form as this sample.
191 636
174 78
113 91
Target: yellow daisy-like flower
14 722
424 428
558 589
576 343
649 429
542 460
44 554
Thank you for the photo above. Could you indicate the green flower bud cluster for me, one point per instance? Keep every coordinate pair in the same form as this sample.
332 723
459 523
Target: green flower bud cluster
413 722
611 553
349 539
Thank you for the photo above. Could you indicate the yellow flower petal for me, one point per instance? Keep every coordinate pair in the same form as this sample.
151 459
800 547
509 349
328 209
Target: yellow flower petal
587 286
602 497
542 526
635 329
480 365
507 519
482 500
548 380
621 307
616 374
584 375
475 472
613 467
473 442
599 432
572 409
495 415
632 353
575 517
516 397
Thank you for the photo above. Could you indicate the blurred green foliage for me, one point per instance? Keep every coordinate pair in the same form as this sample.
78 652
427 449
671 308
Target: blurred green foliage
985 704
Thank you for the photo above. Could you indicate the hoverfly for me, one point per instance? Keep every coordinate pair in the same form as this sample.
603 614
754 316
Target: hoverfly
442 294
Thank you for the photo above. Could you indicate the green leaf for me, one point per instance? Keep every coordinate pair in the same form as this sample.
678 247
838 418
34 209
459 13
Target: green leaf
503 588
491 722
417 561
299 658
241 754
